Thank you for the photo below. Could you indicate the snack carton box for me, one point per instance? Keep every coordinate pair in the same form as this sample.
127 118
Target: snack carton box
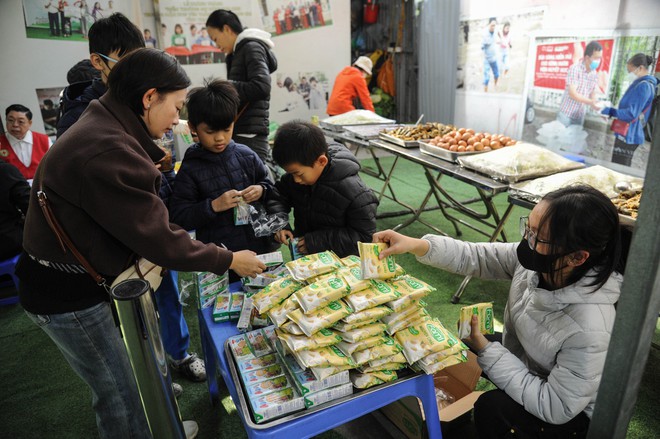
276 404
255 363
327 395
236 305
267 386
271 259
222 307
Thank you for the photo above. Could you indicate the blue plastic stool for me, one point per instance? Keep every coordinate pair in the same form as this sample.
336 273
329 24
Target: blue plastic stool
7 268
213 336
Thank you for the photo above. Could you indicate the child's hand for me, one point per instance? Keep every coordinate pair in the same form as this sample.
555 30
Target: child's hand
476 340
399 244
283 236
245 263
252 193
226 201
302 248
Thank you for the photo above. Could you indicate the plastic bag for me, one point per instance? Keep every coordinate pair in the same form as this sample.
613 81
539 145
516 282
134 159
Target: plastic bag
265 224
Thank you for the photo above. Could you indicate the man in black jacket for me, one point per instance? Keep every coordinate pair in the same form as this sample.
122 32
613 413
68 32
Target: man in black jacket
14 198
250 61
109 39
333 208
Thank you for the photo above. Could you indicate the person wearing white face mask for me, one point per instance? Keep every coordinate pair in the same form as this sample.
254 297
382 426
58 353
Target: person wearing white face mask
634 108
581 82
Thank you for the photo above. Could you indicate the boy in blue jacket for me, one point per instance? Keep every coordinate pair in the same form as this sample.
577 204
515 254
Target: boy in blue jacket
332 207
216 174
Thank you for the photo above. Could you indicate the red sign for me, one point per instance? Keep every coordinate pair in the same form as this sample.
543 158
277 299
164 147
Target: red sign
554 59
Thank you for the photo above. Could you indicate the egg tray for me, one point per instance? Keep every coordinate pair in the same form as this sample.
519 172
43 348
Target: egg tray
444 154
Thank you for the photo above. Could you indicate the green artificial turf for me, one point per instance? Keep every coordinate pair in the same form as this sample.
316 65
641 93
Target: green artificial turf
43 398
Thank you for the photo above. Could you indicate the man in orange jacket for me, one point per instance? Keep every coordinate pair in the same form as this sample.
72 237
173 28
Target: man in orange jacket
350 90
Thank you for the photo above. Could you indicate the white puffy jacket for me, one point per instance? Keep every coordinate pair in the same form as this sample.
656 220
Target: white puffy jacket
554 343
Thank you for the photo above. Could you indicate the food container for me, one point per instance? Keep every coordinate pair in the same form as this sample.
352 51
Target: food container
399 141
355 117
444 154
520 162
368 132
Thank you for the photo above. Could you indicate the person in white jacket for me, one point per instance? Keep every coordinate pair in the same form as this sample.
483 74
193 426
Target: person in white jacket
565 280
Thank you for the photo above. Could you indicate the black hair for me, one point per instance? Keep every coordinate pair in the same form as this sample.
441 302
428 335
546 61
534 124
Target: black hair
82 71
593 46
288 82
491 19
142 70
221 17
147 30
20 109
583 218
641 60
299 141
48 102
215 104
313 78
114 33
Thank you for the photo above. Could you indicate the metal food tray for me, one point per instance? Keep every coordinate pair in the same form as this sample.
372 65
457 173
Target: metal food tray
398 141
340 128
246 407
369 132
444 154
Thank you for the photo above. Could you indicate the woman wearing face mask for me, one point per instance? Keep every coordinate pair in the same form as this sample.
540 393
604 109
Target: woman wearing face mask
634 107
559 314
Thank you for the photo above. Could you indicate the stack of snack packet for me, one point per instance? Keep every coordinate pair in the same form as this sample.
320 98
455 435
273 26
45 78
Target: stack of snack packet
209 285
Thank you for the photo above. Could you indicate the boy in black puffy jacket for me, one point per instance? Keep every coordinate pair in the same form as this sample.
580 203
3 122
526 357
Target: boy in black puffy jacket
217 173
333 208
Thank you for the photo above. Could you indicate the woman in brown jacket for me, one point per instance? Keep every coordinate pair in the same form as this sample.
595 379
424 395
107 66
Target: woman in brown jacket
102 185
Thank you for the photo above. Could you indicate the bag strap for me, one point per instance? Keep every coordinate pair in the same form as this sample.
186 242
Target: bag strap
63 239
654 92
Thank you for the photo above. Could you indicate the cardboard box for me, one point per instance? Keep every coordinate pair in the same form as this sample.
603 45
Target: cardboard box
459 380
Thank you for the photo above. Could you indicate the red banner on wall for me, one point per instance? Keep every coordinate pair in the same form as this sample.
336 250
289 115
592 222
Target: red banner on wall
553 60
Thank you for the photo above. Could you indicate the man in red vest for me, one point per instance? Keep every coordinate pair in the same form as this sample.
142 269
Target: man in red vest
20 146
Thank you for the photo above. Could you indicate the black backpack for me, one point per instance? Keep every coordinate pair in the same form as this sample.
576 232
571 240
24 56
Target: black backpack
649 126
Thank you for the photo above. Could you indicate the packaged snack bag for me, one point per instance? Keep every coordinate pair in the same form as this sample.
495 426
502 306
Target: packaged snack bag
486 322
345 327
323 338
372 267
368 315
350 348
321 293
363 332
322 318
376 294
277 314
425 337
431 359
292 328
411 290
460 357
386 366
395 317
396 358
324 357
353 277
376 353
366 380
313 265
322 373
412 319
351 261
275 293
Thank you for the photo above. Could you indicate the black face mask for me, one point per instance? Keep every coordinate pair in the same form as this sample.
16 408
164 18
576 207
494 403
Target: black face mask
533 260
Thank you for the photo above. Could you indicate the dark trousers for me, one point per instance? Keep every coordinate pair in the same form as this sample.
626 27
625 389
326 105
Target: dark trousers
623 152
497 415
54 23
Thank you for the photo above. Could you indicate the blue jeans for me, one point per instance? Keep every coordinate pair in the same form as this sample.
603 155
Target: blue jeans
91 344
173 327
568 121
488 66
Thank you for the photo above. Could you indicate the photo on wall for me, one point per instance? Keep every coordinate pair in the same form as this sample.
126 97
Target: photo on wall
493 51
299 95
183 32
282 17
49 105
62 20
579 85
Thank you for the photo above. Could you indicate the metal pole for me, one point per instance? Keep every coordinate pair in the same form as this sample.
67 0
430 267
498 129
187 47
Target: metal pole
139 325
637 313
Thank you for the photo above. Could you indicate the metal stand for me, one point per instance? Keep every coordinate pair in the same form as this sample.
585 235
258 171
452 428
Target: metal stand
139 325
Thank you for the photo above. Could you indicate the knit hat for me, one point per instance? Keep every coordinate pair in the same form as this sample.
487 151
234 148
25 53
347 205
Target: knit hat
364 63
